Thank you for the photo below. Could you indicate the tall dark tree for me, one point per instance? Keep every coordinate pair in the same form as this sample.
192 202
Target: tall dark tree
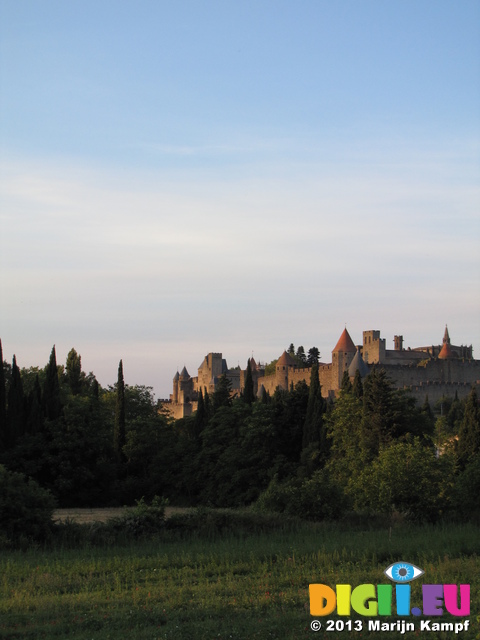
265 397
291 349
289 420
16 406
199 420
3 403
119 431
301 356
208 406
388 414
343 427
468 445
346 385
428 414
34 408
248 392
51 391
95 389
221 396
73 371
313 356
357 387
313 431
379 415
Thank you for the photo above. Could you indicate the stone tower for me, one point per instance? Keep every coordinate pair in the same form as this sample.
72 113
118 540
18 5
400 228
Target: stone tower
282 368
342 357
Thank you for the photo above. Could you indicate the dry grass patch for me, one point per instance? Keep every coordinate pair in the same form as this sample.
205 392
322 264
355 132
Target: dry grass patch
87 516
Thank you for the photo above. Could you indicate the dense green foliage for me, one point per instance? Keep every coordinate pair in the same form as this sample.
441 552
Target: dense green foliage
25 510
371 451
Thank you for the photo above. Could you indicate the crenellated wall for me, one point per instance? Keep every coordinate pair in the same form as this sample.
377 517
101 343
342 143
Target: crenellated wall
415 370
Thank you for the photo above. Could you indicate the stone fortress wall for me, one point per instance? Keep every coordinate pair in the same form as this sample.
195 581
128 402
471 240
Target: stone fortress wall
435 371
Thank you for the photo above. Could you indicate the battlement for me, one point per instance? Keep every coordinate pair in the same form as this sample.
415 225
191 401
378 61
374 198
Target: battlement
434 371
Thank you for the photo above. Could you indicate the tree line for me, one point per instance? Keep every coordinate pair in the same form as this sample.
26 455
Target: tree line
372 450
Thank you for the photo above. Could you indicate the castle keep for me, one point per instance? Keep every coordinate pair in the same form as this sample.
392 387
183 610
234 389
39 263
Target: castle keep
435 371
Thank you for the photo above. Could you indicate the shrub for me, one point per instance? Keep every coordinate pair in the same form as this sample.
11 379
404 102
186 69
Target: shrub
466 490
317 498
406 478
25 509
145 520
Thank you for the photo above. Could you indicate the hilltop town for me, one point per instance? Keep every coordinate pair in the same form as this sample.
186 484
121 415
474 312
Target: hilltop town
436 371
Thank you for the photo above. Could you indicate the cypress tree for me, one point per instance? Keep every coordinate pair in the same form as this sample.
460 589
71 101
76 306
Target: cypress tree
248 392
313 426
427 412
95 389
380 413
468 445
35 413
3 403
346 385
221 395
119 427
16 406
265 399
199 421
51 390
208 406
73 370
357 387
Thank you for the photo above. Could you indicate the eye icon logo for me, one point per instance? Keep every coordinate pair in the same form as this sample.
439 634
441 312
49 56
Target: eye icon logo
403 572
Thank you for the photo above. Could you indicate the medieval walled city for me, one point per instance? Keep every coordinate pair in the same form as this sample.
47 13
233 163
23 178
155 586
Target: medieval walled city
436 371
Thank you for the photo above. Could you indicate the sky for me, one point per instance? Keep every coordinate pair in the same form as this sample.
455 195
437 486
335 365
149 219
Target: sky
184 177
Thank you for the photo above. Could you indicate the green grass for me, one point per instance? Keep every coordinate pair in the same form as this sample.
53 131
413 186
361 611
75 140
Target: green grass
234 587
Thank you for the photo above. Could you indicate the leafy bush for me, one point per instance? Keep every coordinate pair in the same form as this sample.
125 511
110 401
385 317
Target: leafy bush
145 520
466 491
25 509
406 478
317 498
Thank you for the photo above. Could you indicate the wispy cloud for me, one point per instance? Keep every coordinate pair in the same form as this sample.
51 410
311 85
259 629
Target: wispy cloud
107 258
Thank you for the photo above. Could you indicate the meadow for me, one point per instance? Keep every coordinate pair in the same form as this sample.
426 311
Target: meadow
234 585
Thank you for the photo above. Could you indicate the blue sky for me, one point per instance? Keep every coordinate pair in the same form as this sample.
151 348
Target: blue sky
185 177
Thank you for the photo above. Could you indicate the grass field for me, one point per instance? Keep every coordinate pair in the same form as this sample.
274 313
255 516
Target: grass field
236 587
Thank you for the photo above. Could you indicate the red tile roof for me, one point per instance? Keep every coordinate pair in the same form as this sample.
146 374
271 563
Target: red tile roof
446 352
345 343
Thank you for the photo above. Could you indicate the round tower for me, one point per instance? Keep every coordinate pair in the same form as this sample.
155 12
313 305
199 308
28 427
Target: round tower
342 356
176 378
283 363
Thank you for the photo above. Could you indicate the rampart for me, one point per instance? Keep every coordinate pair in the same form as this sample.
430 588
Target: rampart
436 371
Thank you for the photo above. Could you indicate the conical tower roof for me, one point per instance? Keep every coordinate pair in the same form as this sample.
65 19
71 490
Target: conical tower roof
358 363
286 360
184 373
176 377
446 351
345 343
